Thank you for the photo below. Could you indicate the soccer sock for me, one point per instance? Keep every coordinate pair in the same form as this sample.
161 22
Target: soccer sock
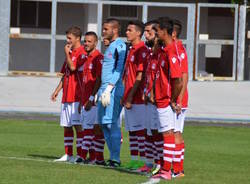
68 142
159 148
99 147
141 143
92 151
133 144
168 151
79 137
86 142
149 149
182 156
177 158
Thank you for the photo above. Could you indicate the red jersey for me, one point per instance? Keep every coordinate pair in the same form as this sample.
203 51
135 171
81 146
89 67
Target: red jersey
136 62
168 67
72 79
92 69
151 71
182 56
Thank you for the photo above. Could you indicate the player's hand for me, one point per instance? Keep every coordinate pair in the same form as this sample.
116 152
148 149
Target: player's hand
53 96
152 99
67 48
128 103
145 98
79 108
88 105
105 96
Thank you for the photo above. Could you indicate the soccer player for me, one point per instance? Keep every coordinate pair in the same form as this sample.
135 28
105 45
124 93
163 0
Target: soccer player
132 100
70 83
154 141
168 84
111 90
93 140
182 102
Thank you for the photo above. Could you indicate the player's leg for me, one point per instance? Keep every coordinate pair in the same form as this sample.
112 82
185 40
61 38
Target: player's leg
65 122
166 118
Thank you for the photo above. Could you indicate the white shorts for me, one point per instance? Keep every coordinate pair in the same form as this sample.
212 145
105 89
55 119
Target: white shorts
179 121
135 117
166 117
152 119
69 114
89 118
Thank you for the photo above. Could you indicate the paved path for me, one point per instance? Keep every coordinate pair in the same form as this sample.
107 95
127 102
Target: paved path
209 101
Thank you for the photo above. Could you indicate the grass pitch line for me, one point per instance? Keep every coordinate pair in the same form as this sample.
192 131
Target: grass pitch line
26 159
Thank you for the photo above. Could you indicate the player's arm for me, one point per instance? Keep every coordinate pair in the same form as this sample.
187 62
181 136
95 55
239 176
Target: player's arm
176 80
91 99
138 80
69 62
121 51
184 87
57 90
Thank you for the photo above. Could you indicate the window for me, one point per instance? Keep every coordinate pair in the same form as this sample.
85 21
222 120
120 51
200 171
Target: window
30 14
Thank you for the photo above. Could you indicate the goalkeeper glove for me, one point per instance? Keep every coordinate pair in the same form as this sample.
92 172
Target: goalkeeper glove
105 97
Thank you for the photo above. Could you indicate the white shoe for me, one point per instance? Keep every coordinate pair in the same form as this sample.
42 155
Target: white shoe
65 158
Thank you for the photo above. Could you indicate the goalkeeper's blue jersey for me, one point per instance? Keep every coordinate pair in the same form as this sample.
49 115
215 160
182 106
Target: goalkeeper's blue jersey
113 64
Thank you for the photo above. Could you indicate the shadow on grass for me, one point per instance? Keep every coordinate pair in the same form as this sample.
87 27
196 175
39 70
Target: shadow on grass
42 156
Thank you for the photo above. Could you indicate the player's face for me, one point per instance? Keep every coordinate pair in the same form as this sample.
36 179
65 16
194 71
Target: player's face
160 33
107 31
89 43
132 33
72 39
149 33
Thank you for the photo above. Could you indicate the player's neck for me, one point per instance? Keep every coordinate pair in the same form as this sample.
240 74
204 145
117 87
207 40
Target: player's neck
76 46
135 42
92 51
168 40
114 38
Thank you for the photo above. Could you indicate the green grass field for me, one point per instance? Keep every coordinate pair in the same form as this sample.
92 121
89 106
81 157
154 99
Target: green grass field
27 149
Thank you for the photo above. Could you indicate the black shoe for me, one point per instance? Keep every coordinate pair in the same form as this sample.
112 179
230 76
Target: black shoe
78 160
103 163
109 163
115 164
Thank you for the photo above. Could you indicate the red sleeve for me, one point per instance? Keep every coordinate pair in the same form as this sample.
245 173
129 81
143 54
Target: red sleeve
98 62
63 68
174 63
142 59
184 60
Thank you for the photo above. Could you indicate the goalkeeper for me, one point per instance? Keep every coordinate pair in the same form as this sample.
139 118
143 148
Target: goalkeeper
111 90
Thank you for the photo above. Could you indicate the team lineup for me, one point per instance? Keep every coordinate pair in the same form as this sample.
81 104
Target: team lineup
146 79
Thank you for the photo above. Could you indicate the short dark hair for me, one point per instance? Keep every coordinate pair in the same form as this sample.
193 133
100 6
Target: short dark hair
167 24
152 23
139 26
115 22
177 27
92 33
74 30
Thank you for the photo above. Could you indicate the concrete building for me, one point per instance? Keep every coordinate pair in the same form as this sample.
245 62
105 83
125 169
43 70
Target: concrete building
216 35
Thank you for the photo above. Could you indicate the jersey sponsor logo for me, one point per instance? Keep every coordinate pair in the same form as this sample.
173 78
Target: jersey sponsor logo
132 58
174 60
91 66
162 63
153 66
182 55
110 55
83 56
73 58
